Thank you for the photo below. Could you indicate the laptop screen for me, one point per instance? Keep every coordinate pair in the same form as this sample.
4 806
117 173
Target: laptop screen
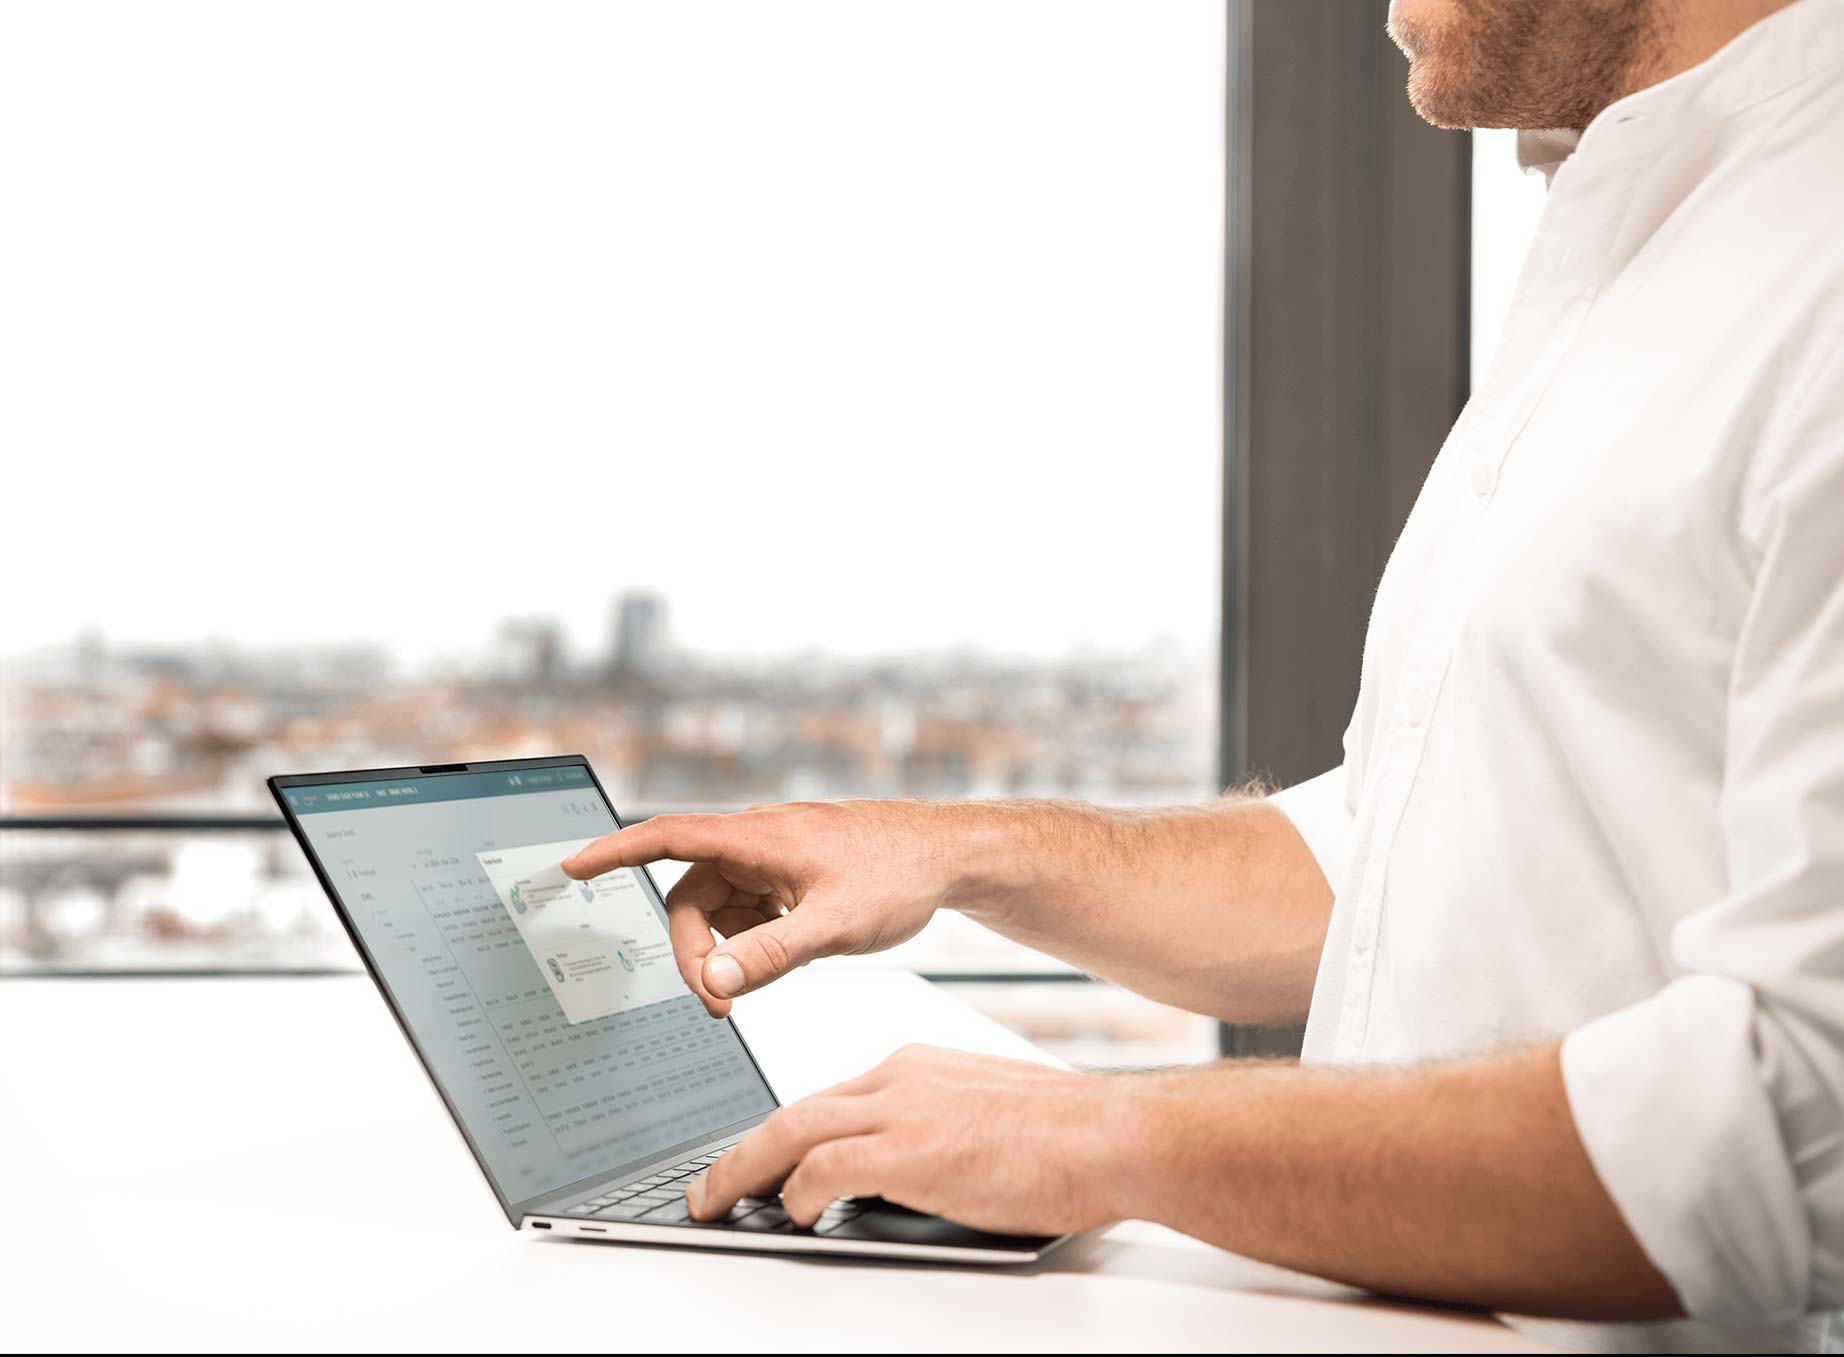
550 1012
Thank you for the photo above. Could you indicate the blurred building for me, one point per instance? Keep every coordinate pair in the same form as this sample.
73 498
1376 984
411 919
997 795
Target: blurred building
531 649
639 634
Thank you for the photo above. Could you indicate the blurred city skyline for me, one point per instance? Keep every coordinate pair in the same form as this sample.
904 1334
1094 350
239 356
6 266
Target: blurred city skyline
95 727
97 724
46 658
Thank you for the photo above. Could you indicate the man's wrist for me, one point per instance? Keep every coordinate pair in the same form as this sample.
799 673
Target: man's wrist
1010 856
1126 1156
1174 1133
995 856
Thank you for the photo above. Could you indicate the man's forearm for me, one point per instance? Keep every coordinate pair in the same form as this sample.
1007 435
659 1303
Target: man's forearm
1465 1183
1220 909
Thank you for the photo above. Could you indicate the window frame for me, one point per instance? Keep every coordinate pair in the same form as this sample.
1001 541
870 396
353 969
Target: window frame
1349 236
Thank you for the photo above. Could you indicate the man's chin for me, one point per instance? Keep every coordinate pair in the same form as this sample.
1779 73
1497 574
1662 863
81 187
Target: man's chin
1437 79
1441 101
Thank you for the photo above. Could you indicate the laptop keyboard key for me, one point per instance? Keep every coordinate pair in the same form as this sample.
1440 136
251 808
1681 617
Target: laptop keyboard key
672 1213
624 1211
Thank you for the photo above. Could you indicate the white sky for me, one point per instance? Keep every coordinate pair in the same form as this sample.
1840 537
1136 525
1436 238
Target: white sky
865 325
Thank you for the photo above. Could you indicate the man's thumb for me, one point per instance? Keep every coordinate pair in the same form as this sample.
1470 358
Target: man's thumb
766 952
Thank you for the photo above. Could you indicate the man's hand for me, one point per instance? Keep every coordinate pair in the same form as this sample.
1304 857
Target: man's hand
1220 909
785 885
1465 1183
1001 1145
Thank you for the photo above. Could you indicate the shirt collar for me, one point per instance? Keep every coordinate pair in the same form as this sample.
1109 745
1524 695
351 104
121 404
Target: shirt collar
1543 152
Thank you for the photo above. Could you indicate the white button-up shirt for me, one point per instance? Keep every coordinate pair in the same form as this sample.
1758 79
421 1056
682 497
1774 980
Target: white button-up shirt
1593 789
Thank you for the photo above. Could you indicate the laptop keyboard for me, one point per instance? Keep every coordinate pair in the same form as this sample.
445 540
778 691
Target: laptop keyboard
659 1199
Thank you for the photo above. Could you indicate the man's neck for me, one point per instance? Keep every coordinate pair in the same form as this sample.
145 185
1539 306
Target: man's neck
1695 31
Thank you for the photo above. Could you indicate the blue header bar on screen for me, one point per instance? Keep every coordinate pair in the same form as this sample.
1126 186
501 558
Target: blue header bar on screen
423 790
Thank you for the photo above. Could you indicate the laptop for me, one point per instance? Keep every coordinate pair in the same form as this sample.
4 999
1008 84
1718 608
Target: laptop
586 1078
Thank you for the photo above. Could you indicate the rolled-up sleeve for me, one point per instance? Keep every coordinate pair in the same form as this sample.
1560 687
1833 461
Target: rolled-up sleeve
1321 813
1714 1111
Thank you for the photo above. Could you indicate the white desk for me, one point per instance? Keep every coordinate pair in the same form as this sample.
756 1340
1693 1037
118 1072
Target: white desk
211 1165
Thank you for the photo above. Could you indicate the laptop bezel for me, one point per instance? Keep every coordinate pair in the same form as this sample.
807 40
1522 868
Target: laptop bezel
515 1211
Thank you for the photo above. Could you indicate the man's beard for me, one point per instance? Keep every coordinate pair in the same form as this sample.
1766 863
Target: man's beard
1529 63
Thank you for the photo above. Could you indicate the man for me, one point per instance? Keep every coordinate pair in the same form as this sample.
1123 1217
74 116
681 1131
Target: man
1568 923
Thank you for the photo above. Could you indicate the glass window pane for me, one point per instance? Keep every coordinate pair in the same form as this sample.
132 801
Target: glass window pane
1506 205
768 400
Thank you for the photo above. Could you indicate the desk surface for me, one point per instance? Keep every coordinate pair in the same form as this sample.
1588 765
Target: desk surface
210 1165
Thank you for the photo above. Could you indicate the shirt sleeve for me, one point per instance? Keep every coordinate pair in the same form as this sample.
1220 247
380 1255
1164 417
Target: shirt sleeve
1320 811
1714 1111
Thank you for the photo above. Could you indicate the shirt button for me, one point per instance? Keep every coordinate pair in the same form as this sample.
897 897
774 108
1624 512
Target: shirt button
1483 479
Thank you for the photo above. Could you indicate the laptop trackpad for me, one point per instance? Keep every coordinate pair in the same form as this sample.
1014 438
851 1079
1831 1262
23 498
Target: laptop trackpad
890 1224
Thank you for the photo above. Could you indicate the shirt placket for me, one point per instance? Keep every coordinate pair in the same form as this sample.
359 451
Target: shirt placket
1405 743
1536 338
